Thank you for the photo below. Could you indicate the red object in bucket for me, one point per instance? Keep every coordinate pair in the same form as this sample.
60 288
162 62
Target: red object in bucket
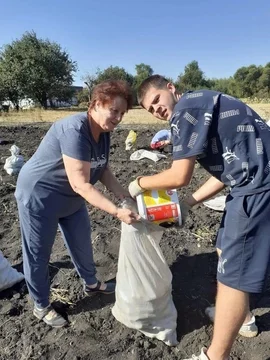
162 212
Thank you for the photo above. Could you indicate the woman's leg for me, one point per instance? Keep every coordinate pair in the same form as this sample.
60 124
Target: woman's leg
76 231
38 234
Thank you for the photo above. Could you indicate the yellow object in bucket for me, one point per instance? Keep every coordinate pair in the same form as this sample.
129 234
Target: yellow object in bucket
160 206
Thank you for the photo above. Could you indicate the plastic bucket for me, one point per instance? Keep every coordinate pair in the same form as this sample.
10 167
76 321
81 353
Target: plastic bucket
160 206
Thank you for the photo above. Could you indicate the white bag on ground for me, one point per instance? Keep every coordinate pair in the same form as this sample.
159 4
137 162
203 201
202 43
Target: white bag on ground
14 163
8 275
143 284
140 154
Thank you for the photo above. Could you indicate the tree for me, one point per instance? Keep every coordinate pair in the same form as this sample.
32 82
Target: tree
83 96
2 90
36 68
9 85
64 94
252 79
143 71
264 82
192 78
224 85
2 94
247 78
114 73
90 81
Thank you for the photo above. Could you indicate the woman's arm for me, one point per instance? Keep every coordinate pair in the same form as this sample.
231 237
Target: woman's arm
109 180
78 173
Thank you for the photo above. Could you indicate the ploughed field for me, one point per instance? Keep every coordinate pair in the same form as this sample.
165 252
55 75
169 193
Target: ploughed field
93 333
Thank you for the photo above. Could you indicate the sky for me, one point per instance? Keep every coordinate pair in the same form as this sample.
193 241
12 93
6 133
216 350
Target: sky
165 34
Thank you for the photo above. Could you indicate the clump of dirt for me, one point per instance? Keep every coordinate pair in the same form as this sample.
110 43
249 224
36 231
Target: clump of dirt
93 333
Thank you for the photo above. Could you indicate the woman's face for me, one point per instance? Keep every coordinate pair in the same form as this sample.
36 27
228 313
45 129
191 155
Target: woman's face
110 115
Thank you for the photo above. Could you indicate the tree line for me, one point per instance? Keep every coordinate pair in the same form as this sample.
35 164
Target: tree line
35 68
40 69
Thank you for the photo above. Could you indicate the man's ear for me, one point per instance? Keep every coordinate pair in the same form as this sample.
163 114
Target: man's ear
171 87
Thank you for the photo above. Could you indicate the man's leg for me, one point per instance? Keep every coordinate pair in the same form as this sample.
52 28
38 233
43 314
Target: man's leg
231 309
242 267
247 332
211 311
219 251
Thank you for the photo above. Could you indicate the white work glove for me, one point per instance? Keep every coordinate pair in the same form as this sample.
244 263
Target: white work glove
135 189
184 207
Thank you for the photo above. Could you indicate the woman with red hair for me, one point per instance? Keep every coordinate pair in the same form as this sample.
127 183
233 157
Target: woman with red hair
53 186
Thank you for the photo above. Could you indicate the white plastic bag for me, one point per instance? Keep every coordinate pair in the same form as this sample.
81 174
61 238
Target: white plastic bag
8 275
143 284
140 154
218 203
14 163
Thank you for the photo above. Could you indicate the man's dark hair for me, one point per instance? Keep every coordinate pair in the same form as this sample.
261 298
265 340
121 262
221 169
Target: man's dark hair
156 81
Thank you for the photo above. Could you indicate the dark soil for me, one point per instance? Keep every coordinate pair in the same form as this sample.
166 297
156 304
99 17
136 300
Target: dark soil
93 333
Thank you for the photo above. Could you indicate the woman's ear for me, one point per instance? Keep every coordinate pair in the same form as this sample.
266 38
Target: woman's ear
97 105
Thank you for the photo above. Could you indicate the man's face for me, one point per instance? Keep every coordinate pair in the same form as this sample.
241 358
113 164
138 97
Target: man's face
160 102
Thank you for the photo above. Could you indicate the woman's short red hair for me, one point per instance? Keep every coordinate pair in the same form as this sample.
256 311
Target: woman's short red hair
106 91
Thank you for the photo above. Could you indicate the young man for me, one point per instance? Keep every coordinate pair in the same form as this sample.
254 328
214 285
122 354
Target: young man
232 143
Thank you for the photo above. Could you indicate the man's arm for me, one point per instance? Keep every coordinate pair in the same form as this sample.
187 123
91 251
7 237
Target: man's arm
177 176
210 188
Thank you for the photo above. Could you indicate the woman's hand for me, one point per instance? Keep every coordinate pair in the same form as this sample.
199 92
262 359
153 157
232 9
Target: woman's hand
127 216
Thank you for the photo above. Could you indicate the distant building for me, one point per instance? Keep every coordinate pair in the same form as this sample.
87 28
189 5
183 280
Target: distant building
72 102
28 103
24 104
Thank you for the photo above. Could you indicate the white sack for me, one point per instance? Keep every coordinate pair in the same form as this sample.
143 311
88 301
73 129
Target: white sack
8 275
14 163
140 154
143 284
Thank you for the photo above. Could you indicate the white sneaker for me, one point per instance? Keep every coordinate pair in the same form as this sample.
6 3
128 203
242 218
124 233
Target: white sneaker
249 329
202 355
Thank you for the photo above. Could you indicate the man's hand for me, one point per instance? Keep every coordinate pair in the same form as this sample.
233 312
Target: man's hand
135 189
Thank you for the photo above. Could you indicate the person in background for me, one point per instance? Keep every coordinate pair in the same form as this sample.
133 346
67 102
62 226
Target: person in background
54 186
231 142
161 139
